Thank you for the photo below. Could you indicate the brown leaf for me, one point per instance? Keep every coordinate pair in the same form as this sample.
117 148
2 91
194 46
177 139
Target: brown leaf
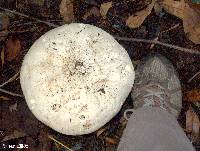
157 8
93 11
67 10
13 47
189 120
191 24
174 7
3 35
99 132
13 107
194 6
4 22
111 141
193 95
3 98
192 124
104 8
190 17
138 18
14 135
38 2
2 57
195 127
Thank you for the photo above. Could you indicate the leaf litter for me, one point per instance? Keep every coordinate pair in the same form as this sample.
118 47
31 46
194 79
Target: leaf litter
68 11
181 9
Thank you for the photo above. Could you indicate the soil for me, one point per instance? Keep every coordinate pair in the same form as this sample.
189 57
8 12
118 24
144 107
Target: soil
36 134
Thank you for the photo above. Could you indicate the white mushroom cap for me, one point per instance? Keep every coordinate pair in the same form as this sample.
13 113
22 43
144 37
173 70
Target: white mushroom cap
75 78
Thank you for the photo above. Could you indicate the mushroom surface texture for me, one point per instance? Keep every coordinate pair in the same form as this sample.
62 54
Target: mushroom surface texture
75 78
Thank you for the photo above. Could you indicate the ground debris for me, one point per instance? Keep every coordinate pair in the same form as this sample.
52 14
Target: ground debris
192 125
16 134
67 10
13 49
104 8
112 18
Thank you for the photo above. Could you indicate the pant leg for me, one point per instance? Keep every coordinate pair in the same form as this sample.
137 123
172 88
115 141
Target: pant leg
153 129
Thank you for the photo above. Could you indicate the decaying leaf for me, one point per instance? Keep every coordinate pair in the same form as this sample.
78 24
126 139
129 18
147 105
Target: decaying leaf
138 18
4 21
93 11
189 13
173 7
192 27
2 57
4 98
192 124
14 135
193 95
190 17
13 47
99 132
38 2
195 127
104 8
157 8
111 141
67 10
189 120
13 107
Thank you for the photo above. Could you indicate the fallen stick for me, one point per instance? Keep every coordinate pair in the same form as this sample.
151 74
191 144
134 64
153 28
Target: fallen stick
10 80
24 15
187 50
11 93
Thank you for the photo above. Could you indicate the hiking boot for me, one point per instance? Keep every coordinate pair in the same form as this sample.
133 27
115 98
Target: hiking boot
157 85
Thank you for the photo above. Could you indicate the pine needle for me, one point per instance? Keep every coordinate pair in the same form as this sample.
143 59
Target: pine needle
58 142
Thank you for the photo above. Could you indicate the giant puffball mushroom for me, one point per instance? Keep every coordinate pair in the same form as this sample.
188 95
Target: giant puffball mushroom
75 78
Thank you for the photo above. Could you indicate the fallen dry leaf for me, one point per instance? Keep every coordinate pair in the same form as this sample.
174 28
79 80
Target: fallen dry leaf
189 13
99 132
4 21
192 124
189 120
38 2
44 142
157 8
190 17
14 135
3 98
13 47
192 27
13 107
173 7
93 11
194 5
193 95
3 35
111 141
104 8
67 10
2 56
195 127
138 18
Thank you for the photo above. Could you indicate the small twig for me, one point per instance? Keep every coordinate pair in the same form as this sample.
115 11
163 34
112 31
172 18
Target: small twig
10 80
59 143
196 74
13 32
187 50
11 93
171 28
24 15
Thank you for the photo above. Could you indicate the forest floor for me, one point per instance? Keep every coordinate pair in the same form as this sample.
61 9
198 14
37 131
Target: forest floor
17 123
